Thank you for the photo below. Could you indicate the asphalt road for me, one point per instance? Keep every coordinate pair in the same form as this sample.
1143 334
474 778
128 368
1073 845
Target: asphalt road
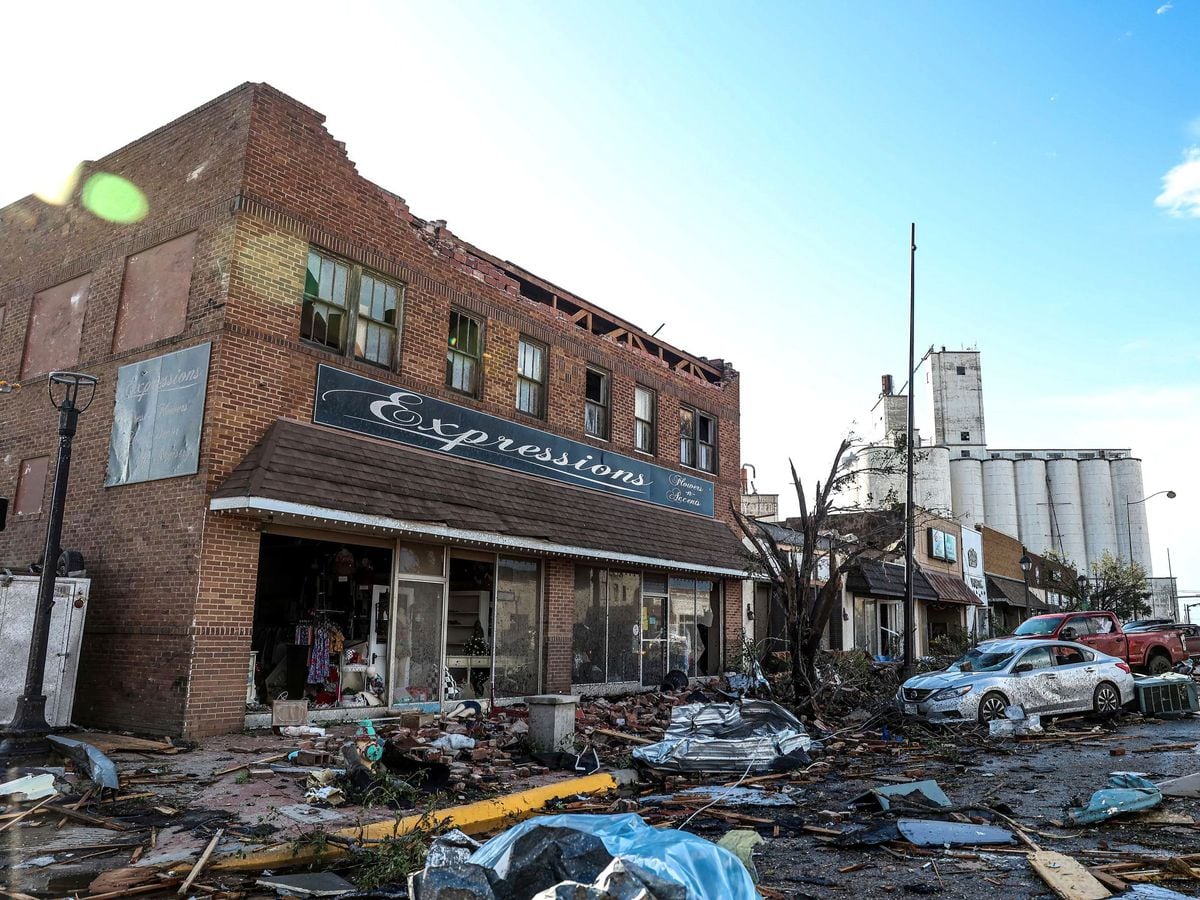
1034 781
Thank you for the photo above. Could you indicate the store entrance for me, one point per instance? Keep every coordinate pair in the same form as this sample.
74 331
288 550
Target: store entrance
469 625
321 622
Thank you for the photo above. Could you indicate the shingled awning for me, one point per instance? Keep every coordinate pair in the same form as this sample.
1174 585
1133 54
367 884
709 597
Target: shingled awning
1014 593
952 590
879 579
312 472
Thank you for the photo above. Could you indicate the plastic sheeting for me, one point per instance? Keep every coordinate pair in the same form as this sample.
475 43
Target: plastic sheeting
1125 793
575 851
752 736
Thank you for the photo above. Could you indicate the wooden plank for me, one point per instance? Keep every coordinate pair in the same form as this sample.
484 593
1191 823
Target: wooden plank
1067 877
202 862
633 739
86 818
29 812
113 743
258 762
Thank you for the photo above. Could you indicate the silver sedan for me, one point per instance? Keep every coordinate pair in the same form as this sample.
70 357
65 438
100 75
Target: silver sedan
1044 677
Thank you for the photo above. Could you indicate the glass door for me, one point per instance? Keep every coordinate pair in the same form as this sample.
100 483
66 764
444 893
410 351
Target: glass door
418 612
654 636
516 621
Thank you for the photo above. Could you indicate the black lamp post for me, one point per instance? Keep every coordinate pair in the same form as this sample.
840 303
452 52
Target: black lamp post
1082 581
25 736
1026 564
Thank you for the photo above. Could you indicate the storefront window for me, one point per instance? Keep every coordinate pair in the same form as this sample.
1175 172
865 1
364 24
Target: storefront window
427 560
417 645
589 634
695 627
517 620
624 628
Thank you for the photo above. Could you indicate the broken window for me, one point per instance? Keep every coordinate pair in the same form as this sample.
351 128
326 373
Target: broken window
464 352
31 486
964 435
961 370
55 327
645 418
697 439
531 377
329 317
595 411
154 293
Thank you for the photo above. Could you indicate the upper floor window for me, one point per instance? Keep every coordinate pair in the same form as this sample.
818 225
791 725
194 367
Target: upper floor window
329 317
464 353
596 403
645 419
697 439
531 377
55 327
154 293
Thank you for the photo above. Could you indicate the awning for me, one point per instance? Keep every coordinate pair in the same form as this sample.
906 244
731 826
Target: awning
881 579
310 473
952 590
1014 593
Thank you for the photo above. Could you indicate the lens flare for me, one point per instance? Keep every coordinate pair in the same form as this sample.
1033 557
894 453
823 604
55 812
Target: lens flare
114 199
57 189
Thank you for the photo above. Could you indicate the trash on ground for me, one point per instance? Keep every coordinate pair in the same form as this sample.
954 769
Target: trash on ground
728 737
870 835
1015 724
98 766
451 849
726 796
1125 794
741 843
919 793
308 815
541 854
932 833
309 884
1184 786
28 787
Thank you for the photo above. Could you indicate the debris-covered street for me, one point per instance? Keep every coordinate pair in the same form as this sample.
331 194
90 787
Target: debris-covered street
868 806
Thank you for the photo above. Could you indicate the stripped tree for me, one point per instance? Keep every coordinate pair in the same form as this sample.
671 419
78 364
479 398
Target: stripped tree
807 580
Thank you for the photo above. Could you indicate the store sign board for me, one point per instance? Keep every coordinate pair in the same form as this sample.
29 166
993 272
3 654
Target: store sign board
972 542
157 417
366 406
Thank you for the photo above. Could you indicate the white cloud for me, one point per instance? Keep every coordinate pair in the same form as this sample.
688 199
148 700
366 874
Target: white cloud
1164 9
1181 187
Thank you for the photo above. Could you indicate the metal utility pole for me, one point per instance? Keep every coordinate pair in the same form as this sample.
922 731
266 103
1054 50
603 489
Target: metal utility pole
25 735
909 510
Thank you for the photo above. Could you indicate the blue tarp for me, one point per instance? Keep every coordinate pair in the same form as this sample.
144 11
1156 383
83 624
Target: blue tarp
1125 793
707 871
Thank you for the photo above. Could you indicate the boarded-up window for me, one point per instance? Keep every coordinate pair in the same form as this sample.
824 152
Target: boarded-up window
154 296
55 327
31 485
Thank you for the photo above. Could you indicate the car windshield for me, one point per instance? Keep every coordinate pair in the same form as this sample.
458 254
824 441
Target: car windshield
981 660
1037 626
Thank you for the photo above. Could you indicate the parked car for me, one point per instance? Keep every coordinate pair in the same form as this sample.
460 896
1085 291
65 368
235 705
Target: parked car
1147 651
1045 677
1190 632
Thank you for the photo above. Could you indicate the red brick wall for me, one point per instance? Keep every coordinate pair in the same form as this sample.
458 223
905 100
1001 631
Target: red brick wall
559 617
171 583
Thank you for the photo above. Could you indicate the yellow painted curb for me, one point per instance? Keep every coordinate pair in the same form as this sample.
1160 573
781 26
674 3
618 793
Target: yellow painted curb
472 818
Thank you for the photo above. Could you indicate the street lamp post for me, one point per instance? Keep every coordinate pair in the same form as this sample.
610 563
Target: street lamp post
1082 581
1129 525
25 735
1026 564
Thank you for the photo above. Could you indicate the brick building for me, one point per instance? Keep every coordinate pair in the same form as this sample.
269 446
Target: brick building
335 442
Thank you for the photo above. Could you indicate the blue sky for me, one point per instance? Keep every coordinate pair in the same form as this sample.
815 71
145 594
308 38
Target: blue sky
746 174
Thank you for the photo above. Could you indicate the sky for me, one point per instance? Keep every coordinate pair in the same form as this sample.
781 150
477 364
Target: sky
745 174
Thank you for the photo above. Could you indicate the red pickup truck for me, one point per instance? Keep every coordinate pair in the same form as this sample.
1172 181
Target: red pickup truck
1148 651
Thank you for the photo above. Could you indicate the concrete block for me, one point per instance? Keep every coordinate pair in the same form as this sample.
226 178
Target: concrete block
552 720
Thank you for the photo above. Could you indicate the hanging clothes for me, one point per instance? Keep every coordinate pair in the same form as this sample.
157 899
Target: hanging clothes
318 655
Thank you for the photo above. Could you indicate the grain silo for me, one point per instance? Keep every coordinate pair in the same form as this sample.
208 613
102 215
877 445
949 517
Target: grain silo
1000 496
1127 486
1099 522
1066 513
966 490
1033 505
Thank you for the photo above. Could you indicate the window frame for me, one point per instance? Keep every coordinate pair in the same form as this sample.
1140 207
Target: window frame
476 389
651 423
347 346
694 436
542 385
604 404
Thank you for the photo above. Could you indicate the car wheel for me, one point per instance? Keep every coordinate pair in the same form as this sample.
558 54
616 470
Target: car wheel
992 706
1106 701
1159 664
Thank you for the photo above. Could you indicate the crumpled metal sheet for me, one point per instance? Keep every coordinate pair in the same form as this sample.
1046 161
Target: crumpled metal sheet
726 737
925 793
99 767
728 796
1125 793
